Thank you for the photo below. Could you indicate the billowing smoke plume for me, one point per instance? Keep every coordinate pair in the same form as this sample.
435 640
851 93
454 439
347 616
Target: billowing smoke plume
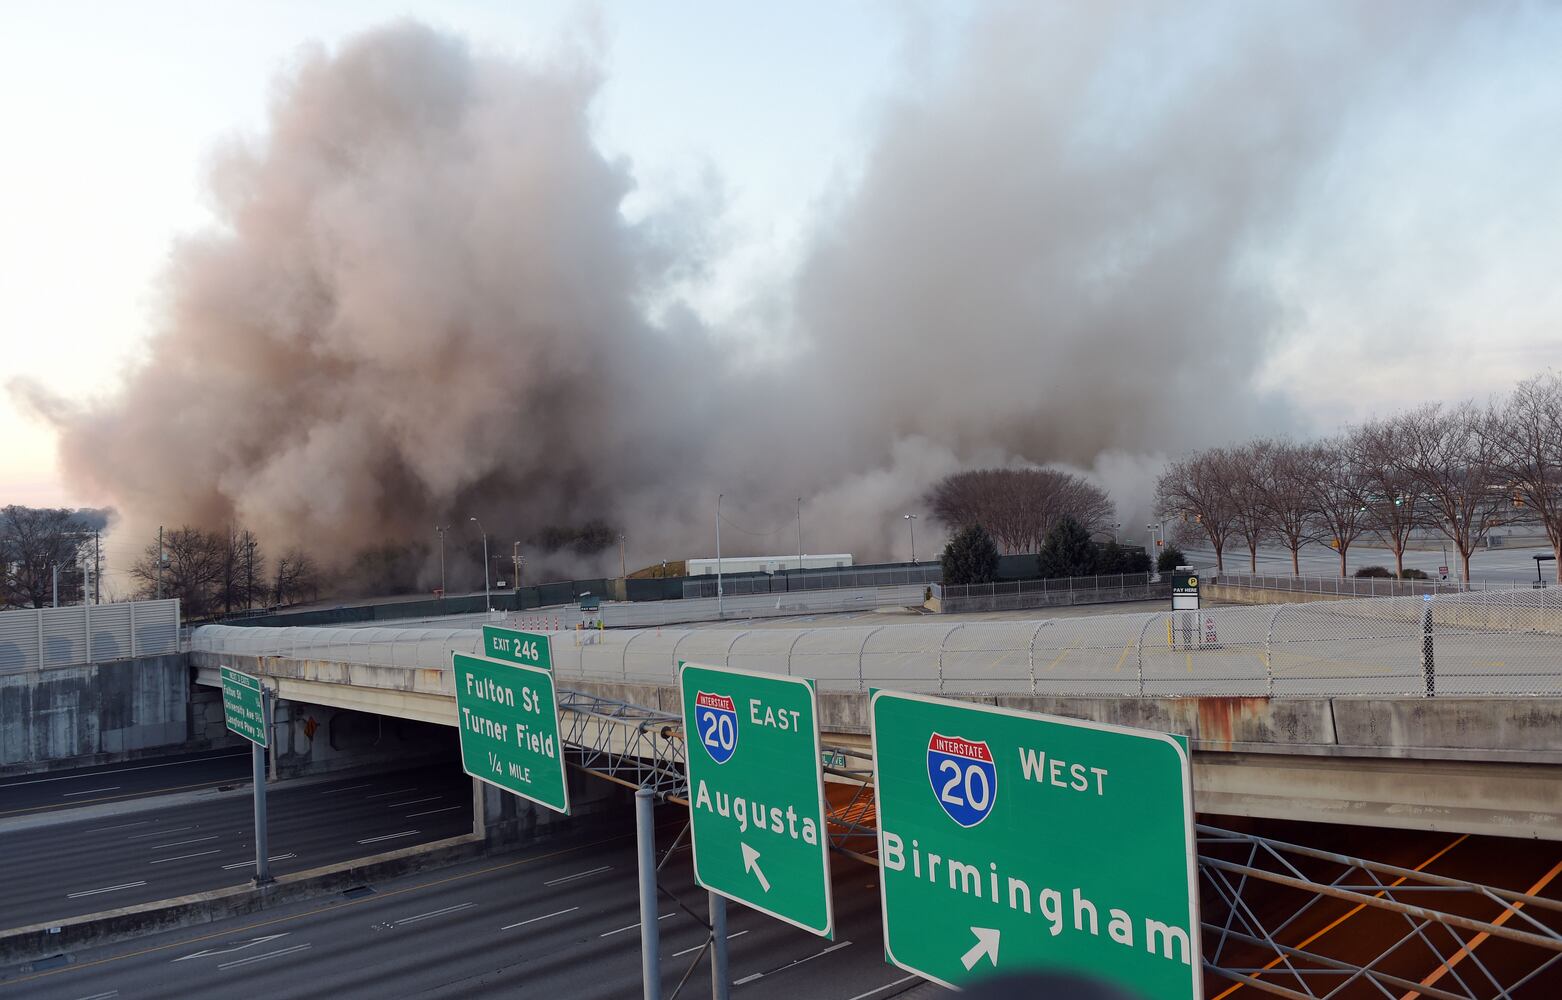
423 301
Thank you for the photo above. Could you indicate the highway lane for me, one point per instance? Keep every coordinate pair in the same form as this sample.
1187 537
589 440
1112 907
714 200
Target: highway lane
74 865
556 921
33 793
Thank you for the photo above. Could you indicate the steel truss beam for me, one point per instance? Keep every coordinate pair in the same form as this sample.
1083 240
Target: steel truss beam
1445 920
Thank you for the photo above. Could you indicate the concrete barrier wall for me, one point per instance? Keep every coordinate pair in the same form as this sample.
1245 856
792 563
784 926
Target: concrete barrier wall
93 712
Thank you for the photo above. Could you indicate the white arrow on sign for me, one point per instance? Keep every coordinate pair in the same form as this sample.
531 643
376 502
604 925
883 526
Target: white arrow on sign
240 947
751 864
986 944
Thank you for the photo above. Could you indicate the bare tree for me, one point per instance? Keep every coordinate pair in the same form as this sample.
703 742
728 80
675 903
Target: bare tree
33 542
297 578
1337 495
1455 456
1284 492
1239 471
192 571
1197 490
1018 507
1531 443
1395 505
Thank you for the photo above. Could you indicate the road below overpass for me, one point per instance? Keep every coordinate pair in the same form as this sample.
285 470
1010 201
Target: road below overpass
67 864
30 794
561 920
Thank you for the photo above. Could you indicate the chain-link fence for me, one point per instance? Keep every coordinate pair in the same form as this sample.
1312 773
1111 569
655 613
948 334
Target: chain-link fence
1483 643
42 638
792 581
1350 586
1015 595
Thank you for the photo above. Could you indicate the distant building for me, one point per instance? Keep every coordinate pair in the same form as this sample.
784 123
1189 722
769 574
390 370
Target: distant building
767 564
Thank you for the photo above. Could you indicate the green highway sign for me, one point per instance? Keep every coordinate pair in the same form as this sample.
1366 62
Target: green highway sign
756 795
526 648
508 716
241 707
1010 841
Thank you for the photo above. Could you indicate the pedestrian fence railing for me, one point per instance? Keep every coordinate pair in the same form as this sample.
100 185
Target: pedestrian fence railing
845 578
1481 643
1105 581
44 638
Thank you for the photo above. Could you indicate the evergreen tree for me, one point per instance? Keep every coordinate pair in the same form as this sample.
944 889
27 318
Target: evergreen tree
1068 551
970 557
1171 557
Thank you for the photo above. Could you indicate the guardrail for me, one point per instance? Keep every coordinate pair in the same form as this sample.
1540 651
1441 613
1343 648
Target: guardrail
43 638
1481 643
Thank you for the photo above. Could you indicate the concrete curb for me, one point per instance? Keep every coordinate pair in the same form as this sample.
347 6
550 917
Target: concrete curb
36 941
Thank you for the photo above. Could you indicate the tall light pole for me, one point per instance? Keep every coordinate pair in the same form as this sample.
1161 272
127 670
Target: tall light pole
441 532
487 600
718 554
799 533
911 522
1115 526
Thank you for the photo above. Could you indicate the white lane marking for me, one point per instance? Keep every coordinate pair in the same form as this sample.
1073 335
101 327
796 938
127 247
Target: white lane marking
252 942
262 958
430 812
571 878
690 951
388 836
533 920
632 926
159 833
789 965
251 862
91 791
182 843
185 857
121 770
122 826
110 995
107 888
349 788
413 802
383 795
432 913
881 989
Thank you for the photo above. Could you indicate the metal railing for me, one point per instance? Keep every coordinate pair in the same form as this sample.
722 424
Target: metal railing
1357 586
843 578
1480 643
44 638
1107 581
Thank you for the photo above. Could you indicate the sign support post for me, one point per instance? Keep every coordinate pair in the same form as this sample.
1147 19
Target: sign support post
718 956
650 945
258 765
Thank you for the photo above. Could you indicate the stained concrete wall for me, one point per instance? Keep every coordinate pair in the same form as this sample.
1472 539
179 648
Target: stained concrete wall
93 713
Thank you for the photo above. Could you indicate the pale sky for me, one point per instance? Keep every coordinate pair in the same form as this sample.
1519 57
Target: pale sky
1425 269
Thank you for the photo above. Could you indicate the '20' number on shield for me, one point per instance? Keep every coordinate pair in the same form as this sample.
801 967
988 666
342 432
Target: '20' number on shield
970 790
718 732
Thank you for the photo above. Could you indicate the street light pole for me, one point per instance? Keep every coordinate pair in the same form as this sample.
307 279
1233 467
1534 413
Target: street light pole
487 599
441 532
718 555
799 533
911 522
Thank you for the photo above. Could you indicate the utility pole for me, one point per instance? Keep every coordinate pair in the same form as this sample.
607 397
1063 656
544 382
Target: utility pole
56 568
97 567
718 555
515 557
911 522
441 532
621 571
160 558
488 600
799 533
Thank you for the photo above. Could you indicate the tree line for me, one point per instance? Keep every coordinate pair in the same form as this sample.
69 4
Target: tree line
220 572
1018 508
1460 470
36 543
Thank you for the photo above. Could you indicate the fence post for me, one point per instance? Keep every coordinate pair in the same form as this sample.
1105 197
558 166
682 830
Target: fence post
1139 643
1269 658
39 614
1428 664
87 617
133 629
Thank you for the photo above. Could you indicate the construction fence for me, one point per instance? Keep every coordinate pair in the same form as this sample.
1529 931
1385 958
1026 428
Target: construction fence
1482 643
44 638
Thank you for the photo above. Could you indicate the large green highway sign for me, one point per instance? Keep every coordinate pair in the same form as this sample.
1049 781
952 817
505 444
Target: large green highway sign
1010 841
756 794
526 648
241 707
508 716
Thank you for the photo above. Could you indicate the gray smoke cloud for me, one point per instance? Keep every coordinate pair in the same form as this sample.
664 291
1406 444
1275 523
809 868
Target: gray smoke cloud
424 302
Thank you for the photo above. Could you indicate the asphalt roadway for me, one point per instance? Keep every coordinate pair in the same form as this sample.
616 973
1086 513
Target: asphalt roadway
560 920
69 863
34 793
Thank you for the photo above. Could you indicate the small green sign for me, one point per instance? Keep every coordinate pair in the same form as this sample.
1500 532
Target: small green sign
241 706
508 716
756 795
1011 841
529 649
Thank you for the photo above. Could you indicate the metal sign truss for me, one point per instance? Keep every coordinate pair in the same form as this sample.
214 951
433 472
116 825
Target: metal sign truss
1266 905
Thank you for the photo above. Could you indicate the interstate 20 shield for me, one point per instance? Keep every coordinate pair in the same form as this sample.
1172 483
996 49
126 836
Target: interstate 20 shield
716 717
964 777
